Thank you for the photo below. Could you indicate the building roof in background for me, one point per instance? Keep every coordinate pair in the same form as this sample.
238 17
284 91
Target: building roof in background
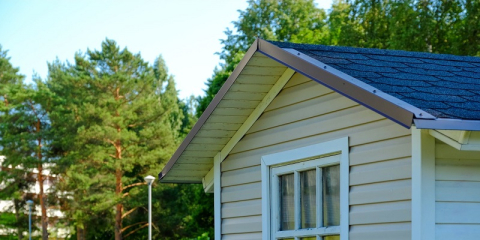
446 86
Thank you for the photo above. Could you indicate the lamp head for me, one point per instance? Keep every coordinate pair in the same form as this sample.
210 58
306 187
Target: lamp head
149 179
29 203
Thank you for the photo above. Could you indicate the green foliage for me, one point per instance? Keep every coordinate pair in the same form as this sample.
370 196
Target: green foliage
24 130
439 26
116 113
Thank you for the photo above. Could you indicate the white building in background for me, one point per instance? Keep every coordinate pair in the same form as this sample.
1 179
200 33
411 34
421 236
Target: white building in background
53 212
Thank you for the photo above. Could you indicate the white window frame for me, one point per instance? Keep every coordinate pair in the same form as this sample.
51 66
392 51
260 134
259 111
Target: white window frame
316 151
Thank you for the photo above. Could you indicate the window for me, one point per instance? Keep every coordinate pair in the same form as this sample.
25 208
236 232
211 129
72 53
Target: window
305 192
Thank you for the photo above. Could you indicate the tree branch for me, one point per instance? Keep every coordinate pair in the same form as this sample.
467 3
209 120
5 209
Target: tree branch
132 232
133 185
129 211
129 226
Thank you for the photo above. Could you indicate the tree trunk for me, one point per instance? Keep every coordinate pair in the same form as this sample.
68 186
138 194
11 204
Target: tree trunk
81 233
119 207
118 178
41 195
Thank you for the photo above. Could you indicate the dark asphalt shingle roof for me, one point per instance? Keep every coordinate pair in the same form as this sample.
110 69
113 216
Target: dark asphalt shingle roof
446 86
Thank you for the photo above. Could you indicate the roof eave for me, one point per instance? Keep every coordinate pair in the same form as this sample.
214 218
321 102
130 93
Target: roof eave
211 107
447 124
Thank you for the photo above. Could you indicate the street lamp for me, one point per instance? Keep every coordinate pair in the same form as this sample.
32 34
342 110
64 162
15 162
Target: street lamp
149 179
30 204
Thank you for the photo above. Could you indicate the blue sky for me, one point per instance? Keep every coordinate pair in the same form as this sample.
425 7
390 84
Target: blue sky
185 32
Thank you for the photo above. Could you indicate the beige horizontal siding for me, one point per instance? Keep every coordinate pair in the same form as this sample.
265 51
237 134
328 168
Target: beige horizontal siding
384 171
243 236
457 194
389 231
452 231
381 192
242 224
305 113
242 192
242 208
388 212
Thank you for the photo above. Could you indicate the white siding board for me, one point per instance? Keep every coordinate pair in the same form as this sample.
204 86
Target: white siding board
257 70
199 160
381 213
263 61
231 111
457 170
290 96
215 133
245 87
222 126
242 224
242 192
457 212
194 153
296 79
304 110
390 231
241 209
241 176
388 149
226 119
244 95
192 166
457 231
381 171
358 135
205 147
313 126
238 104
209 140
257 79
243 236
381 192
457 191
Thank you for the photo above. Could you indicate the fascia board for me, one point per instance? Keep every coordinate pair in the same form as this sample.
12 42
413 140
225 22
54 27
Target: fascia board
341 83
211 107
447 124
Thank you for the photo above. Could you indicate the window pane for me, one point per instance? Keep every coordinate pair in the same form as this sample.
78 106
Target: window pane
331 196
309 238
307 198
287 207
331 238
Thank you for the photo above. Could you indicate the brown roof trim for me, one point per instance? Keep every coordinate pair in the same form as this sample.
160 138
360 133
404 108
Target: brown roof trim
211 107
338 82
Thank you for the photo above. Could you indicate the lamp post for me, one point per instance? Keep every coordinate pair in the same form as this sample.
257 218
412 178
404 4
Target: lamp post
30 204
149 179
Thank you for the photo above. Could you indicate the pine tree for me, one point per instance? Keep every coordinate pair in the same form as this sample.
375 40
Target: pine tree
24 136
123 117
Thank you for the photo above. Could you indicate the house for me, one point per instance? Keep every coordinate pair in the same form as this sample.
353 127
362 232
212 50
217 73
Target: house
310 141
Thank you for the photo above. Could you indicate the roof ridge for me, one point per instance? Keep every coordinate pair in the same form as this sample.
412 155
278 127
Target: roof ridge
377 51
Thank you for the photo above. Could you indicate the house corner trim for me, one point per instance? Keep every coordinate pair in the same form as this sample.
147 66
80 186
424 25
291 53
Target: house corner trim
423 185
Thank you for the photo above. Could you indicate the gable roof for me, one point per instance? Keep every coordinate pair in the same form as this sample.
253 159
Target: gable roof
377 79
